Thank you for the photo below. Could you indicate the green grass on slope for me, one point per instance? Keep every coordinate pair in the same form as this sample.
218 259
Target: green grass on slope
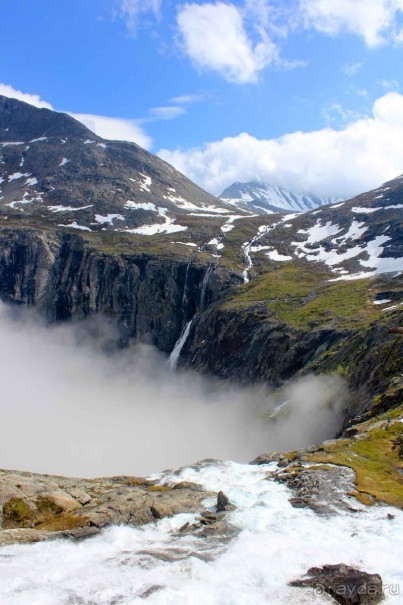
303 296
374 456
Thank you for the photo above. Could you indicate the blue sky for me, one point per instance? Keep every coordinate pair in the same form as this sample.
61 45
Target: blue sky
224 89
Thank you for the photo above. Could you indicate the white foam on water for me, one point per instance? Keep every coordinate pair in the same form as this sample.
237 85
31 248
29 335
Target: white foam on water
276 544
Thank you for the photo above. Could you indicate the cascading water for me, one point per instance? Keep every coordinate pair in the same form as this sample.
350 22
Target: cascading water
273 543
205 282
184 297
176 351
246 249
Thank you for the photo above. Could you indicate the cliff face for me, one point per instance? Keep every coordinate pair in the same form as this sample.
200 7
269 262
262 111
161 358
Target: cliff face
254 346
233 334
65 278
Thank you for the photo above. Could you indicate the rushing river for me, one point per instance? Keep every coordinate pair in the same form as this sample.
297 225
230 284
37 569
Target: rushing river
275 544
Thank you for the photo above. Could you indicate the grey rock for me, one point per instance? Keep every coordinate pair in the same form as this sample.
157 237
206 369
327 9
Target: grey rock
322 488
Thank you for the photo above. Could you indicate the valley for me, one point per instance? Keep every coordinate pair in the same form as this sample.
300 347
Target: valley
273 307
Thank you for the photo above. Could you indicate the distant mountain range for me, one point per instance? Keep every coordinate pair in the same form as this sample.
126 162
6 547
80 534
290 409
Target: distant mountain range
267 199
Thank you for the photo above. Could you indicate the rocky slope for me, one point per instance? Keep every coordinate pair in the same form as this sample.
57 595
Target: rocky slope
54 168
267 199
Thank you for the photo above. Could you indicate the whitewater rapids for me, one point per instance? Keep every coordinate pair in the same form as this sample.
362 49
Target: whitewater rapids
276 543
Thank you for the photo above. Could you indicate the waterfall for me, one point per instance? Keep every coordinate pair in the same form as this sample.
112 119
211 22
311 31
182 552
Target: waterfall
245 273
247 248
176 351
278 409
184 297
205 282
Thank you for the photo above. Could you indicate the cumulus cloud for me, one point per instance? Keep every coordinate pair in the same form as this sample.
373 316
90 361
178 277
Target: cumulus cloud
373 20
365 153
68 407
214 37
8 91
121 129
239 40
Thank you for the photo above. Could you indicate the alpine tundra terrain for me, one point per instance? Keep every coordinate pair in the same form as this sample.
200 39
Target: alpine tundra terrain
97 227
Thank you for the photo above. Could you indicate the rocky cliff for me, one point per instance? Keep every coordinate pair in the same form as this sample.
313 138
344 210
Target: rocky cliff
67 277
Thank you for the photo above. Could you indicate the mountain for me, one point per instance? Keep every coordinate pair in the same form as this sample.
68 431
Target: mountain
103 228
267 199
54 168
89 226
356 238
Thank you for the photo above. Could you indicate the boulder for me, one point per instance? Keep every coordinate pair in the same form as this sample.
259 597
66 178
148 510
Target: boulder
222 502
347 585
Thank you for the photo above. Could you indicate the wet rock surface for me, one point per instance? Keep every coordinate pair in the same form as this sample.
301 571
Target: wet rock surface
347 585
322 488
37 507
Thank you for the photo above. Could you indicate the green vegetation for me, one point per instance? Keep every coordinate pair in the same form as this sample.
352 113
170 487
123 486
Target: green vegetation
63 522
43 514
137 482
303 296
373 456
46 506
244 230
16 513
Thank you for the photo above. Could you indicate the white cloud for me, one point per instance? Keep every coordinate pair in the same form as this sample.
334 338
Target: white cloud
339 115
351 69
373 20
389 84
8 91
343 162
168 112
133 10
120 129
214 37
187 99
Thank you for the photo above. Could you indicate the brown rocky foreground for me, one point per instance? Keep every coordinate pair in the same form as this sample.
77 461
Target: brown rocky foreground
35 507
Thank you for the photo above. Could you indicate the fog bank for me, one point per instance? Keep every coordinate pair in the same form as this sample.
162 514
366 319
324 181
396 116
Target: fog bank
68 407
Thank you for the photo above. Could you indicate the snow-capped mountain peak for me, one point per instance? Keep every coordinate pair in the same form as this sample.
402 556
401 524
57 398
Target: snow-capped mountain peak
268 199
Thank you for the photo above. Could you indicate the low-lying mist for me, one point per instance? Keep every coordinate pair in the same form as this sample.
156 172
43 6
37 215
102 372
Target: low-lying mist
71 404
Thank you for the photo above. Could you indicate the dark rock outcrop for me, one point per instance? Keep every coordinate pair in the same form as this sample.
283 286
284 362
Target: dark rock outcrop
347 585
254 346
66 277
222 502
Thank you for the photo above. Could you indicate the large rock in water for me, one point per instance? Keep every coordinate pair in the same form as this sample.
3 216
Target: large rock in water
348 586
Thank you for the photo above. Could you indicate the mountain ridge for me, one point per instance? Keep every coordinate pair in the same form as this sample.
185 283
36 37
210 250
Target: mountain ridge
54 167
267 199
